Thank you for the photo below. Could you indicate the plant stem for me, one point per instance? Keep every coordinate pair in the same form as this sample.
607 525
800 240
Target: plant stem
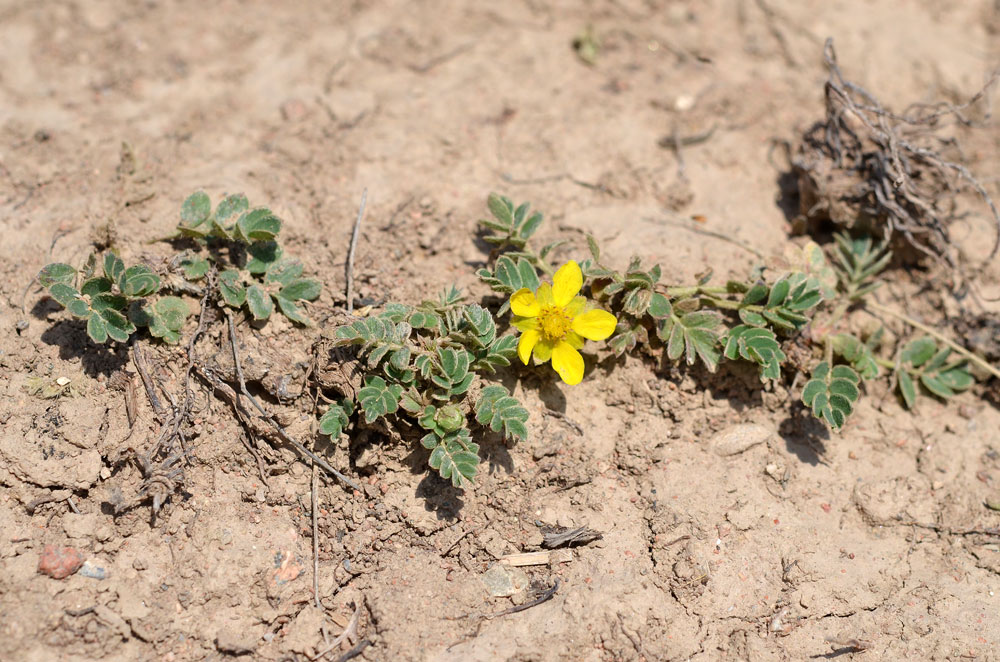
937 334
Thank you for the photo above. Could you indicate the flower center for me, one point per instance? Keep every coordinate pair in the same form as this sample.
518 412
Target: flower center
555 322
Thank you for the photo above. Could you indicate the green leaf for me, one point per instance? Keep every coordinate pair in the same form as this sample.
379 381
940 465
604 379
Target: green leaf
757 345
118 327
231 206
509 276
261 255
858 354
94 286
57 272
301 290
234 294
502 209
529 227
378 399
195 268
97 329
196 209
919 352
454 376
907 388
659 306
455 457
501 412
336 418
172 311
69 297
290 310
106 300
832 394
258 225
695 335
139 281
498 354
283 272
113 267
259 302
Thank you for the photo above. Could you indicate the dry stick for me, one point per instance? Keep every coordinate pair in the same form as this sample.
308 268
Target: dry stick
349 634
139 359
350 252
270 419
937 334
315 524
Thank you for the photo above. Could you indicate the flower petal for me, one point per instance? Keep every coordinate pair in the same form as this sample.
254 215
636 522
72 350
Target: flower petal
576 306
529 340
543 350
575 340
544 294
595 324
524 304
525 323
568 363
566 283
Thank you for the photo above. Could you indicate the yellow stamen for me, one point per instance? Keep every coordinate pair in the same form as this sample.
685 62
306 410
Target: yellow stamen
555 322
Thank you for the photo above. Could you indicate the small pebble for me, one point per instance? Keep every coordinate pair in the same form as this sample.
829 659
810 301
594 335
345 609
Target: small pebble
59 562
738 438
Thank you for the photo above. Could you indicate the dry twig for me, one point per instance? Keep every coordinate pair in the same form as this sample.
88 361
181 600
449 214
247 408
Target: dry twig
350 252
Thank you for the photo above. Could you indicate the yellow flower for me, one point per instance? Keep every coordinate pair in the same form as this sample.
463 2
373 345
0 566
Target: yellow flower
554 322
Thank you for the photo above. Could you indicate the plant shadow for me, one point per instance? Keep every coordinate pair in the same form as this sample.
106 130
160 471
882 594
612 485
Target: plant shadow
805 436
70 336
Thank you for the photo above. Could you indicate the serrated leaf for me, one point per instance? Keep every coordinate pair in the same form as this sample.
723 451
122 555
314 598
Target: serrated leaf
259 302
378 399
57 272
196 209
258 225
261 255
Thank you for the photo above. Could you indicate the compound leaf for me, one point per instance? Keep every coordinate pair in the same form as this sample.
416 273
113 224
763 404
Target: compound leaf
832 393
378 399
57 272
258 225
455 457
501 412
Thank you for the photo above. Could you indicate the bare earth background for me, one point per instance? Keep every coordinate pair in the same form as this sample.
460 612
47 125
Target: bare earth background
877 534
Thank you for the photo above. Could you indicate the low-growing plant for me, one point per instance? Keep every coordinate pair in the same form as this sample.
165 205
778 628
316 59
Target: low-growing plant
425 365
256 274
751 320
112 298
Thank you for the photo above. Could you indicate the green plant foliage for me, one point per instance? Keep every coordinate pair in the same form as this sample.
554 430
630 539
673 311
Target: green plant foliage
784 305
336 418
511 226
694 335
832 393
501 412
422 363
165 318
860 261
455 456
259 276
758 345
923 361
509 276
103 301
860 355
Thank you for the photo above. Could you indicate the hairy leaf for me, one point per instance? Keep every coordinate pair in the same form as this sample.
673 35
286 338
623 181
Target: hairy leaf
258 225
694 335
832 393
378 399
57 272
259 302
196 209
501 412
757 345
455 457
336 418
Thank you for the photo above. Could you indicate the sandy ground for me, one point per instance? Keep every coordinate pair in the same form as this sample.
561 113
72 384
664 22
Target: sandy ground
810 545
